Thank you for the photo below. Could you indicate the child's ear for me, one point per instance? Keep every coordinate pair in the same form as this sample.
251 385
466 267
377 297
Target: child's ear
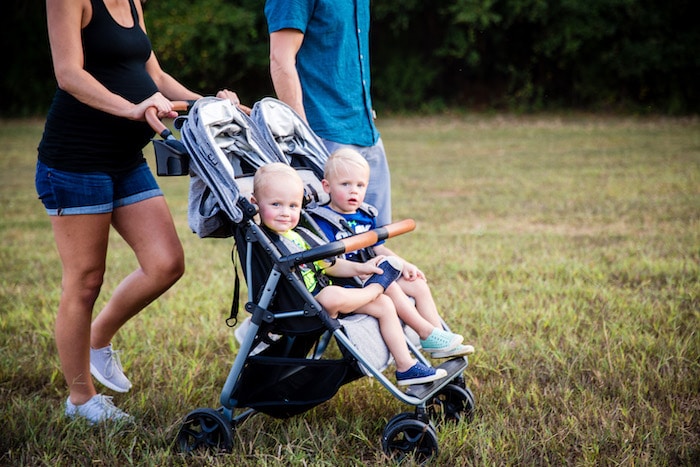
326 186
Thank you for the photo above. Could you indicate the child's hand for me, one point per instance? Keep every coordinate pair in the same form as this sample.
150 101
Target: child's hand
411 272
370 267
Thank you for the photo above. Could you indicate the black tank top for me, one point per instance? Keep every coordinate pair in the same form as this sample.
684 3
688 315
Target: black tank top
80 138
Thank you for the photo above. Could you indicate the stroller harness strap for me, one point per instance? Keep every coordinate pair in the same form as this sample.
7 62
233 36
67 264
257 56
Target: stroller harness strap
301 239
339 222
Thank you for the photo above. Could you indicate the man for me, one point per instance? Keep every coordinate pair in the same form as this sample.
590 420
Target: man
319 64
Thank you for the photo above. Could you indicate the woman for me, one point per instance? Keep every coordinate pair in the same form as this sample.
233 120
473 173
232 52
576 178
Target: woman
91 174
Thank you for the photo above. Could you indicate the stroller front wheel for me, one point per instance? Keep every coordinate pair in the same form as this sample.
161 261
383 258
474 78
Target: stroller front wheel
205 429
407 438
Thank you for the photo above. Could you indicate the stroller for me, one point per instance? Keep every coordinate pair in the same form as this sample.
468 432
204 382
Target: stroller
286 364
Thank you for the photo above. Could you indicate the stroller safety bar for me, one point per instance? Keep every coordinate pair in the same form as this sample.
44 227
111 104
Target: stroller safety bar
355 242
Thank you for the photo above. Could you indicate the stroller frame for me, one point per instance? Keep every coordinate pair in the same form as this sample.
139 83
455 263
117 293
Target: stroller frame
407 434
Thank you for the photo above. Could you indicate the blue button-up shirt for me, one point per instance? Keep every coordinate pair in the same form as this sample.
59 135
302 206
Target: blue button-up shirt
333 65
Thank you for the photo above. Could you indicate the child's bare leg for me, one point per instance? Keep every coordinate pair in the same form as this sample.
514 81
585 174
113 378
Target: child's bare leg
336 299
408 313
389 325
425 304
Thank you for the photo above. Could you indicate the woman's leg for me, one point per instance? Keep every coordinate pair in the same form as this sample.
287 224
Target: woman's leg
147 226
82 246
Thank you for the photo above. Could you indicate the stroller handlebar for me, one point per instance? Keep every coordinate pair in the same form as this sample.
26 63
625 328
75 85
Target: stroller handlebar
355 242
365 239
157 125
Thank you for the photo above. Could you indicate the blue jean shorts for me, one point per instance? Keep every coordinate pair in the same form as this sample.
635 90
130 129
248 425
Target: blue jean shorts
70 193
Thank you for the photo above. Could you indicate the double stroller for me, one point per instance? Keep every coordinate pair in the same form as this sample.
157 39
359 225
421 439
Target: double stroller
292 356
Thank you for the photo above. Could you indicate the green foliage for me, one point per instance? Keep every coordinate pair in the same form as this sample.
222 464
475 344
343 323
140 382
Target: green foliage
212 44
26 79
632 55
532 54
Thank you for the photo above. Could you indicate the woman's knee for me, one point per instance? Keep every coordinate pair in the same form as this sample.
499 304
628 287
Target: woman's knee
170 269
84 287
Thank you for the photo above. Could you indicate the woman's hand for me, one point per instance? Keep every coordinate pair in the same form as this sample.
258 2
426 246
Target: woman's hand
233 97
157 100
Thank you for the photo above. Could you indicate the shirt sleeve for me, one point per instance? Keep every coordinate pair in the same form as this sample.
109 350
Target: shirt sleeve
288 14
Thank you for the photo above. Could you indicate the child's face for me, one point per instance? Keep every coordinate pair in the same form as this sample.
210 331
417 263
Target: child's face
279 205
347 188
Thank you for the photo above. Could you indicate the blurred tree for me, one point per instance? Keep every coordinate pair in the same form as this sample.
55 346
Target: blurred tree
636 55
211 44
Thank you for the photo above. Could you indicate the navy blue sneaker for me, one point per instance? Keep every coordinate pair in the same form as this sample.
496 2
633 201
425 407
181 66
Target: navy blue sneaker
419 374
392 267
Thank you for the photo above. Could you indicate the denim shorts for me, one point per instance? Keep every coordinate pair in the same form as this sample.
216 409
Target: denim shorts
70 193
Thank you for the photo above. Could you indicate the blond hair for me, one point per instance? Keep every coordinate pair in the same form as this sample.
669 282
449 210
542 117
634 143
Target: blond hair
344 158
273 173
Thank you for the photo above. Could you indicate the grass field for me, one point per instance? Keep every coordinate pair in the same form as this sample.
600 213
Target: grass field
566 248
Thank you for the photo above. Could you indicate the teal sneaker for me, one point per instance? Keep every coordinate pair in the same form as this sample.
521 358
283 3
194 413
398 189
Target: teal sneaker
441 341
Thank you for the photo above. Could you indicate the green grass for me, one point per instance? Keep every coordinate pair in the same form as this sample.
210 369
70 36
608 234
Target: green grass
565 247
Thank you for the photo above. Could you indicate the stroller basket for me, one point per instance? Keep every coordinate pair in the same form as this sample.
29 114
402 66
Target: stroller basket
283 387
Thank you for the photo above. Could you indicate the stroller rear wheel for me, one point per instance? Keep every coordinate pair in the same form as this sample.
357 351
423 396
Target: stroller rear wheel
205 429
453 402
407 436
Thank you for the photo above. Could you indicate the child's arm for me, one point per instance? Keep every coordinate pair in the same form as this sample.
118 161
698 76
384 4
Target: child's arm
344 268
410 271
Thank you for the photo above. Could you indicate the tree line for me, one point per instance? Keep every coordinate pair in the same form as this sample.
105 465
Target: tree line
524 55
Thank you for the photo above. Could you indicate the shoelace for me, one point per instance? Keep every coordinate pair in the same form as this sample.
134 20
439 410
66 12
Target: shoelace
110 410
112 361
106 403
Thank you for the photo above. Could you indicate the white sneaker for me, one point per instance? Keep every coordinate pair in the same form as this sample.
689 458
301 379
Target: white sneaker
107 369
97 410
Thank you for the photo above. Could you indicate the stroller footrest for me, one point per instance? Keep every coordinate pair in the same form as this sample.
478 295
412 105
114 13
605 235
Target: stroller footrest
453 367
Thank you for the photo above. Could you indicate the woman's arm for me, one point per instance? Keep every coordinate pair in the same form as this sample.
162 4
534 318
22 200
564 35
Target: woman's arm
284 46
65 19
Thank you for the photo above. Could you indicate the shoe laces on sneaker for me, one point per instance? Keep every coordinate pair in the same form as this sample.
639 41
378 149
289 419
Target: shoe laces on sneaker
111 361
98 409
106 366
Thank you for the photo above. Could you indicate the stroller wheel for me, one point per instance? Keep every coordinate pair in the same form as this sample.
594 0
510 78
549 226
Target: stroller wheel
452 403
410 437
397 418
408 416
205 429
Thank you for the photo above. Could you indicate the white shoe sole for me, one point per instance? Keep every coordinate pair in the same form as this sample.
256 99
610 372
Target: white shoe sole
456 352
439 374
